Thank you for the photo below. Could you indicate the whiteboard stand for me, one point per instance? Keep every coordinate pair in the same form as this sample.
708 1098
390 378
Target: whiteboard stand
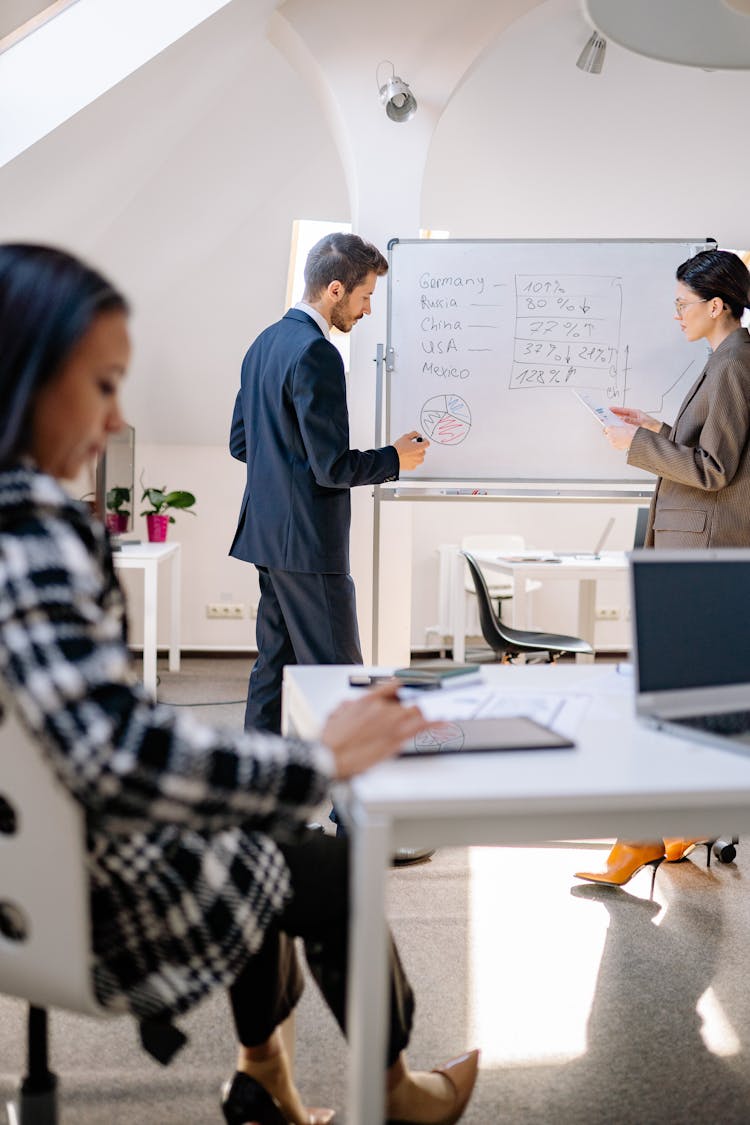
392 560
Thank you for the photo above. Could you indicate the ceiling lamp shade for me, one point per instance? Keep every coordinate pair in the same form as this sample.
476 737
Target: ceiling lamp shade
712 34
591 58
400 104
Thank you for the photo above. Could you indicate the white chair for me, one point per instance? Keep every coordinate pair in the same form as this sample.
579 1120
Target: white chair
45 928
45 935
500 587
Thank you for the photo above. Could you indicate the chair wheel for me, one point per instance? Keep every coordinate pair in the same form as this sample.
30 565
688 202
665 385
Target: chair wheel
724 850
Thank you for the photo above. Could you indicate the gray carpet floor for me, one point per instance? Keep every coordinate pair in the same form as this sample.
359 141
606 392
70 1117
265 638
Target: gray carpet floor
591 1006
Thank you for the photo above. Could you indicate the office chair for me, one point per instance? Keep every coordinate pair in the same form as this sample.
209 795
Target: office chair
45 930
44 907
508 643
501 587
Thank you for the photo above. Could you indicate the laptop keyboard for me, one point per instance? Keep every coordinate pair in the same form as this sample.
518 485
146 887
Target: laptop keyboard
730 722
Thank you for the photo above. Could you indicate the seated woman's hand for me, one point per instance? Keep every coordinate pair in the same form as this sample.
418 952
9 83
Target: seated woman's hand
364 731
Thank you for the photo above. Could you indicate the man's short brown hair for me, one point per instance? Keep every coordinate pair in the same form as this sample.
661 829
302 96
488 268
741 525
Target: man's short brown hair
341 257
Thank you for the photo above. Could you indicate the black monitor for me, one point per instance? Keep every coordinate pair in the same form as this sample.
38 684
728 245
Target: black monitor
115 482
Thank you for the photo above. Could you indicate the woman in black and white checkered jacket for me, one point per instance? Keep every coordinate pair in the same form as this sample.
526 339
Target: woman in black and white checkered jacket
200 866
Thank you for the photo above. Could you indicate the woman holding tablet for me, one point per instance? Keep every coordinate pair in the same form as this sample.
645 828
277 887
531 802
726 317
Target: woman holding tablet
702 462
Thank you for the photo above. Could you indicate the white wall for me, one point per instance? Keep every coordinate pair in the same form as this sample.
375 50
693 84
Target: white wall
182 184
208 573
531 147
183 181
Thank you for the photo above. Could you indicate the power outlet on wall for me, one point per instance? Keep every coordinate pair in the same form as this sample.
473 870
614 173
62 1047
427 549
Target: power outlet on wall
607 613
225 610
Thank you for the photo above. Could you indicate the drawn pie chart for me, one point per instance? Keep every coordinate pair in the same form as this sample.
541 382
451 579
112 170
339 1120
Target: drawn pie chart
448 736
446 419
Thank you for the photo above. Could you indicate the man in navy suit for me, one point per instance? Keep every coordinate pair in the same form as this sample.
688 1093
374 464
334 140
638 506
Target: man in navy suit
291 427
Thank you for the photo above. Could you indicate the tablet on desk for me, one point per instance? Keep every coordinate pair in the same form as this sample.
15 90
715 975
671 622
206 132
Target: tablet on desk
508 732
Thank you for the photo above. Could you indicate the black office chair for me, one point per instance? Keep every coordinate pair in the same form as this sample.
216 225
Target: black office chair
506 642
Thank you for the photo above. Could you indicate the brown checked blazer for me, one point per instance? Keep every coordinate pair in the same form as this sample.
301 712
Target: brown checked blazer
702 496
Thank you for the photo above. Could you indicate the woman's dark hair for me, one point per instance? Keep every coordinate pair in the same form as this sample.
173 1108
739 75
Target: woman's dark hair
718 273
341 257
48 301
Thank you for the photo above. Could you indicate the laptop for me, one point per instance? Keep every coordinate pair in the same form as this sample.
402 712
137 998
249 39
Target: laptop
691 643
597 548
641 527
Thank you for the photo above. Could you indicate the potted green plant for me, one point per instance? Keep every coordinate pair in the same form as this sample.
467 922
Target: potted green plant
117 516
156 515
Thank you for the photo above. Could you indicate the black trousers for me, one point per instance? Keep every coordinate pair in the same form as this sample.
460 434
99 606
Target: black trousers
302 619
270 985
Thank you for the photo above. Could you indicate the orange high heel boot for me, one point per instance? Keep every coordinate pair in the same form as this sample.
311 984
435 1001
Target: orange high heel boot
624 861
675 850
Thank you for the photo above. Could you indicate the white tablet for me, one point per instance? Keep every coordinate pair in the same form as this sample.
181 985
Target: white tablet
603 414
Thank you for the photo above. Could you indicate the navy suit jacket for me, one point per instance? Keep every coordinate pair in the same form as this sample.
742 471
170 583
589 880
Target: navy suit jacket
291 427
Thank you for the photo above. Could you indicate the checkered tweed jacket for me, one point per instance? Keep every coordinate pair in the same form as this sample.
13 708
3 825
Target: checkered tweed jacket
702 497
185 875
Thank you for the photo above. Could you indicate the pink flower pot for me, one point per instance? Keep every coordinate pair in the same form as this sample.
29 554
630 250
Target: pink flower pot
157 528
117 522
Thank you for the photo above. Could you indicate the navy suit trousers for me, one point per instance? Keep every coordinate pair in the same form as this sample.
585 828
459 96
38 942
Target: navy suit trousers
302 619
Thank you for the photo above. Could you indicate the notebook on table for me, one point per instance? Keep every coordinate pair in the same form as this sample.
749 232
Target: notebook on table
691 643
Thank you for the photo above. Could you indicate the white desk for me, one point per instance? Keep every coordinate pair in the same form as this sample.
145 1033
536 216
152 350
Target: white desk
622 779
148 557
584 571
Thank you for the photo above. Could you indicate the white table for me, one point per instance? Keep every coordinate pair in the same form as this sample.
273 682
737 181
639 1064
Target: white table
149 557
585 571
622 779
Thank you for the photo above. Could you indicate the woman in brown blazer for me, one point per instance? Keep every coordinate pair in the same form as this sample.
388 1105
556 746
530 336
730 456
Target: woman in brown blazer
702 494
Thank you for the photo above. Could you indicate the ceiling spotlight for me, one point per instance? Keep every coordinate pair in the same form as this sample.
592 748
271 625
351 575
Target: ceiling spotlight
591 58
400 104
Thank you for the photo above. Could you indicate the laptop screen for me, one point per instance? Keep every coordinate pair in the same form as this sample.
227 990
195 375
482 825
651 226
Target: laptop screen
691 615
641 525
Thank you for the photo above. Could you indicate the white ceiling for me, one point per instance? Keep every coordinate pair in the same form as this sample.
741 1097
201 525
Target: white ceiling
712 33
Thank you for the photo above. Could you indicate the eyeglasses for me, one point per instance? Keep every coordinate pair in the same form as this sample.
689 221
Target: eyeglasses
681 305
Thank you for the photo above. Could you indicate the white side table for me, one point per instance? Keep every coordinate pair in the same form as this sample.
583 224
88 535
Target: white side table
148 557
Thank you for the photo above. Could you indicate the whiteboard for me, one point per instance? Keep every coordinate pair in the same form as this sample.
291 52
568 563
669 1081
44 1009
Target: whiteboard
487 340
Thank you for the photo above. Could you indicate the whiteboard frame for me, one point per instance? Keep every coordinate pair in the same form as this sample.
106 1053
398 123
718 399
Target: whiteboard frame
510 487
521 490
